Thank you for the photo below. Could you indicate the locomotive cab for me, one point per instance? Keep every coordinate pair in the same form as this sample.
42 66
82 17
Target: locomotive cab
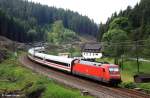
114 74
111 74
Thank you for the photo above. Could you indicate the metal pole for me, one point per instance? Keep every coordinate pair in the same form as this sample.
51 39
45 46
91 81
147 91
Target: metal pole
137 58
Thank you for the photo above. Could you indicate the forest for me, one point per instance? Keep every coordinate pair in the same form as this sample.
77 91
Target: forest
127 33
25 21
124 33
135 21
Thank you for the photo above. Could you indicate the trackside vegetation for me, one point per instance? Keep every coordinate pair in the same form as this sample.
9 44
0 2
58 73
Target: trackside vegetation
16 79
129 70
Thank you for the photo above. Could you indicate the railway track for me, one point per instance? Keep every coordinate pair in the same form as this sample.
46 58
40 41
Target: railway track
94 88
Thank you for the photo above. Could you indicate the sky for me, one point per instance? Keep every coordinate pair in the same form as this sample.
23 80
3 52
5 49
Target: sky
98 10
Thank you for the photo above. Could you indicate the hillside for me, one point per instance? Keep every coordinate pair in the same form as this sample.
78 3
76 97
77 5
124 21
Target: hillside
137 21
21 17
8 47
128 32
24 83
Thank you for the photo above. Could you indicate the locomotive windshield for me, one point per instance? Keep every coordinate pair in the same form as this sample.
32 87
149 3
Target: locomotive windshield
113 69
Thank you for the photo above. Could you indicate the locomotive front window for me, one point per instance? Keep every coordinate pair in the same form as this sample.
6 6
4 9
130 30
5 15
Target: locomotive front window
116 69
113 69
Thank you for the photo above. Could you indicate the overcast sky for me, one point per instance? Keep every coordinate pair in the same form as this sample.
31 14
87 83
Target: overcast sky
98 10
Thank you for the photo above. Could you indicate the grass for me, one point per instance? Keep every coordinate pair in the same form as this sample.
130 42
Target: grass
130 69
14 77
59 92
110 60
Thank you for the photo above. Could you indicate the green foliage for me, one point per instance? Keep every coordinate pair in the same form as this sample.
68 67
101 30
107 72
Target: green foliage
146 49
55 91
75 52
135 21
18 29
116 32
115 35
130 85
20 17
109 60
4 54
32 34
58 27
130 69
145 86
14 77
36 89
59 34
119 23
69 35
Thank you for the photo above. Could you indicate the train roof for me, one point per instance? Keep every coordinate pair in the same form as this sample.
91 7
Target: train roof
59 58
36 49
36 52
90 63
55 58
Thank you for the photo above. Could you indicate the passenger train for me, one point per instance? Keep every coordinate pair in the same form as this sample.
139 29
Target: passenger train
108 73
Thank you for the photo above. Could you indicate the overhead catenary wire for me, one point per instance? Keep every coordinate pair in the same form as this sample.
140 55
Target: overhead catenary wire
140 43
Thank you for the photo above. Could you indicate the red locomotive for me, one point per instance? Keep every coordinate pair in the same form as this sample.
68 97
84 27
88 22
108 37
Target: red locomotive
108 73
102 72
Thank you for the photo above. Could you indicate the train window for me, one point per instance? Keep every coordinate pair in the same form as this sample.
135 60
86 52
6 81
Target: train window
116 69
113 69
61 63
38 57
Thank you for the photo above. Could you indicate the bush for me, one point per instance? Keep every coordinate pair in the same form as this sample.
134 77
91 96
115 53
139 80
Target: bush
35 91
130 85
4 54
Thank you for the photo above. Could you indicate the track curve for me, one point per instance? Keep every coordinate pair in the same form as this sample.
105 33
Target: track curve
93 88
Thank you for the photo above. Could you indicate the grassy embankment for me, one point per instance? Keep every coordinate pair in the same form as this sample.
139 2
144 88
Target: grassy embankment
129 70
15 78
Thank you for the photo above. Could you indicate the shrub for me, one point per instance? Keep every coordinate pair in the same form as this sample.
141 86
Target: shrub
130 85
